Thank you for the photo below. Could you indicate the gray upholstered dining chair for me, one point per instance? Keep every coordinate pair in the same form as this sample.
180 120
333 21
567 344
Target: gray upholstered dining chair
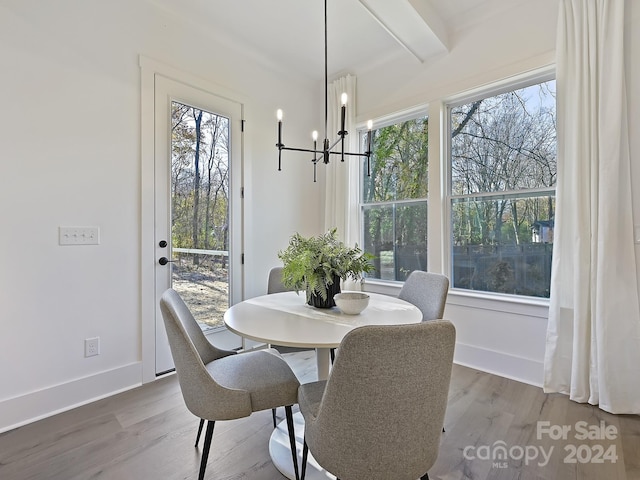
427 291
217 385
274 282
275 285
379 416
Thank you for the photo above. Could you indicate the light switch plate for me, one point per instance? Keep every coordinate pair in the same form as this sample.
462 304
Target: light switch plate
79 235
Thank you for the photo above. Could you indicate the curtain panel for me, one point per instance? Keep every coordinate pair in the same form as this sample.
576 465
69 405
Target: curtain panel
341 199
593 335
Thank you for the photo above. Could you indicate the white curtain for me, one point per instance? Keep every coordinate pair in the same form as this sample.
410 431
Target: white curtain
341 199
593 336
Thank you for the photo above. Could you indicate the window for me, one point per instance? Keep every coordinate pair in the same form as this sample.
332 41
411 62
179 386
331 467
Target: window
394 199
502 191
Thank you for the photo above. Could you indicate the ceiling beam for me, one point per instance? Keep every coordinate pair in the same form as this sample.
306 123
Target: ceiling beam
413 24
433 20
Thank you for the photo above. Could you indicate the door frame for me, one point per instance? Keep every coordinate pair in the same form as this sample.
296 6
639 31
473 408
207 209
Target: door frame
149 68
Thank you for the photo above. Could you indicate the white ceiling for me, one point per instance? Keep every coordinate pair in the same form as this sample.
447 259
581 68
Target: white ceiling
288 35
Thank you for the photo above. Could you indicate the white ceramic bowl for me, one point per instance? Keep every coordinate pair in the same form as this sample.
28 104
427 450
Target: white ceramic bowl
351 303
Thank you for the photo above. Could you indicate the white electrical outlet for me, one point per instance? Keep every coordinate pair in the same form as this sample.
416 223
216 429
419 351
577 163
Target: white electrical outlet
92 347
79 235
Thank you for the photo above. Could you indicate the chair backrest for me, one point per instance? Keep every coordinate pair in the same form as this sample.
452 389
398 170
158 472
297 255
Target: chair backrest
203 396
206 350
383 407
274 284
427 291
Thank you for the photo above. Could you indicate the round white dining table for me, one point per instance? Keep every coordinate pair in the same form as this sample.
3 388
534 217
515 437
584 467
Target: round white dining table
285 319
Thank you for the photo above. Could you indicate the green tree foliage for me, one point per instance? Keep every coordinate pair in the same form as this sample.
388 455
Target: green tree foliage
399 170
399 162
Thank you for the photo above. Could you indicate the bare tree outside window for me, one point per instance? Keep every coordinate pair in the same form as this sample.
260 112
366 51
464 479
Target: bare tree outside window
199 210
503 176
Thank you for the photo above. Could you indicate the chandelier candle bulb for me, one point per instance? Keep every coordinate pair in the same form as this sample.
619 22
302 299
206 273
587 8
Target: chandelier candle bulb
314 135
342 131
279 145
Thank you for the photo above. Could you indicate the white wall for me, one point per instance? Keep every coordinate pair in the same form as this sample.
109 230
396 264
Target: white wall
70 129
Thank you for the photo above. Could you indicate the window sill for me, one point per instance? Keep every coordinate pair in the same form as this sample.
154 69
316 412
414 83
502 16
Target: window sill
531 306
385 287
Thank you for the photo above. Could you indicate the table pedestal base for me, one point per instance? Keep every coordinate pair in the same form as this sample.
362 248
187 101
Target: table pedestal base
323 362
281 452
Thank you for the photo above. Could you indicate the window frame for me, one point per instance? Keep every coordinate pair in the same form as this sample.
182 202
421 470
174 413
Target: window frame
420 110
512 83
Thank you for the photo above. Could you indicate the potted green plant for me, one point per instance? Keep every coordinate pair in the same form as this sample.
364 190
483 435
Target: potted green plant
317 264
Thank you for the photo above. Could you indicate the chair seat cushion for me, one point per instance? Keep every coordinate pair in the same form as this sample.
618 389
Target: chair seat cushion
264 374
310 397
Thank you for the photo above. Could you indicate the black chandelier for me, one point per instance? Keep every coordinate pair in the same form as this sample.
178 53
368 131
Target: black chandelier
327 148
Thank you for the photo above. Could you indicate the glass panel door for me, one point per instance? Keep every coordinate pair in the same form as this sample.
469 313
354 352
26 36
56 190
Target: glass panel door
197 207
200 211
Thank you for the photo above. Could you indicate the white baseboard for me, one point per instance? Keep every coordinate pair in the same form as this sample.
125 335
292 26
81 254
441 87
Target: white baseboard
502 364
33 406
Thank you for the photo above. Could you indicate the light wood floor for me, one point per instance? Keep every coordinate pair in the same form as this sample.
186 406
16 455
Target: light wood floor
147 433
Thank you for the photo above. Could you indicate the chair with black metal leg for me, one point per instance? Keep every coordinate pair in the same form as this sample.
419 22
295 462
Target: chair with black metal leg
380 413
209 353
230 386
274 285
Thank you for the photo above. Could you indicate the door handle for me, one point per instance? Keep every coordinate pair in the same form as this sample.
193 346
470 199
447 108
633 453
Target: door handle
165 260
